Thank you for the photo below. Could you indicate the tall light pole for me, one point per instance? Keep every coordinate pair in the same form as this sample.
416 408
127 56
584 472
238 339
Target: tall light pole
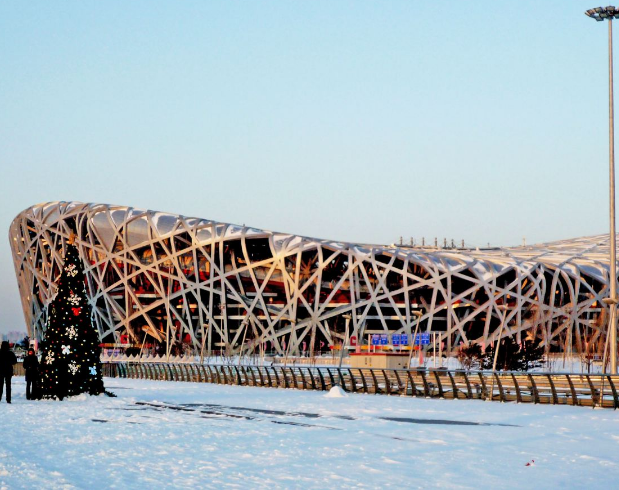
496 348
599 14
418 314
347 318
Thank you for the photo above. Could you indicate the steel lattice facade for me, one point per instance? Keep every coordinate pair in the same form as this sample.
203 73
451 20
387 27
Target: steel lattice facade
163 278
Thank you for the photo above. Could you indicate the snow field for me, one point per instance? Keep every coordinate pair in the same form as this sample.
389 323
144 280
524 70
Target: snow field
158 434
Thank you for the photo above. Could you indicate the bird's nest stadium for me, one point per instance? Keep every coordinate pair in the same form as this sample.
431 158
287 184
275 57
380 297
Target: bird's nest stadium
161 279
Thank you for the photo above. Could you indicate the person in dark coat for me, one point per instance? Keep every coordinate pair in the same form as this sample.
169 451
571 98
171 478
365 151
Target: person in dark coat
7 361
31 366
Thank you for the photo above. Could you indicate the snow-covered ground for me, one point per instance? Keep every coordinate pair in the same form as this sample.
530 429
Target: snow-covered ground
158 434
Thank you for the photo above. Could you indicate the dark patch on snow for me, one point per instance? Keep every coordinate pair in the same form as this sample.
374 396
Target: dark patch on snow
225 412
103 421
130 409
263 411
409 420
299 424
222 414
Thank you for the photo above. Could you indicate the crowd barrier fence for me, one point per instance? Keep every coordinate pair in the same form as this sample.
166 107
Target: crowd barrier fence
586 390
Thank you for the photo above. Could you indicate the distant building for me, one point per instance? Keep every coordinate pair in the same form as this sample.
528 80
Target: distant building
14 336
154 278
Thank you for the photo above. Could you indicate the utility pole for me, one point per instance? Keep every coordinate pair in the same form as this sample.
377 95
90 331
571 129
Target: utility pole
599 14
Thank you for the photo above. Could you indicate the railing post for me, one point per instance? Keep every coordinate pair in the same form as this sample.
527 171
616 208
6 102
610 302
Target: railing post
365 385
484 390
339 373
612 387
239 381
572 390
303 380
322 380
353 384
220 375
439 385
294 377
260 375
453 385
518 395
593 391
400 384
376 390
387 382
469 391
243 372
331 377
309 370
413 387
533 388
500 386
424 380
555 399
253 375
211 378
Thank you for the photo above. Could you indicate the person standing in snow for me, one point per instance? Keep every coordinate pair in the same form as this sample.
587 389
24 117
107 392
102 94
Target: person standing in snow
7 361
31 366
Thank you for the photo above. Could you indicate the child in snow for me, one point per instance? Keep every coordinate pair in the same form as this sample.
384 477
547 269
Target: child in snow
7 361
31 366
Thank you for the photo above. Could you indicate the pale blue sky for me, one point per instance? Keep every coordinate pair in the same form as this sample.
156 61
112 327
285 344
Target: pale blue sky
352 120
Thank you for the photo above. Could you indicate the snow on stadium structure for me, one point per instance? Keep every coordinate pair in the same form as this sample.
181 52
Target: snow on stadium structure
160 278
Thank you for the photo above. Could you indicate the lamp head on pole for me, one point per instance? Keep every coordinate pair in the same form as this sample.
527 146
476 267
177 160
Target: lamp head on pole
601 13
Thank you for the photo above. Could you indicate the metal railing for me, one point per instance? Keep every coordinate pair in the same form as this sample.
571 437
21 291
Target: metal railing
588 390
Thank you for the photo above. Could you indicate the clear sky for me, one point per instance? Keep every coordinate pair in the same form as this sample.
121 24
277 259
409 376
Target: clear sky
351 120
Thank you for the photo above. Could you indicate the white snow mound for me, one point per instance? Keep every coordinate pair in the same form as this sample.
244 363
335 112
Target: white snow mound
336 392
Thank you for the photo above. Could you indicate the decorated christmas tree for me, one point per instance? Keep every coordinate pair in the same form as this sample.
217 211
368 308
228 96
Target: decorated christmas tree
70 364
